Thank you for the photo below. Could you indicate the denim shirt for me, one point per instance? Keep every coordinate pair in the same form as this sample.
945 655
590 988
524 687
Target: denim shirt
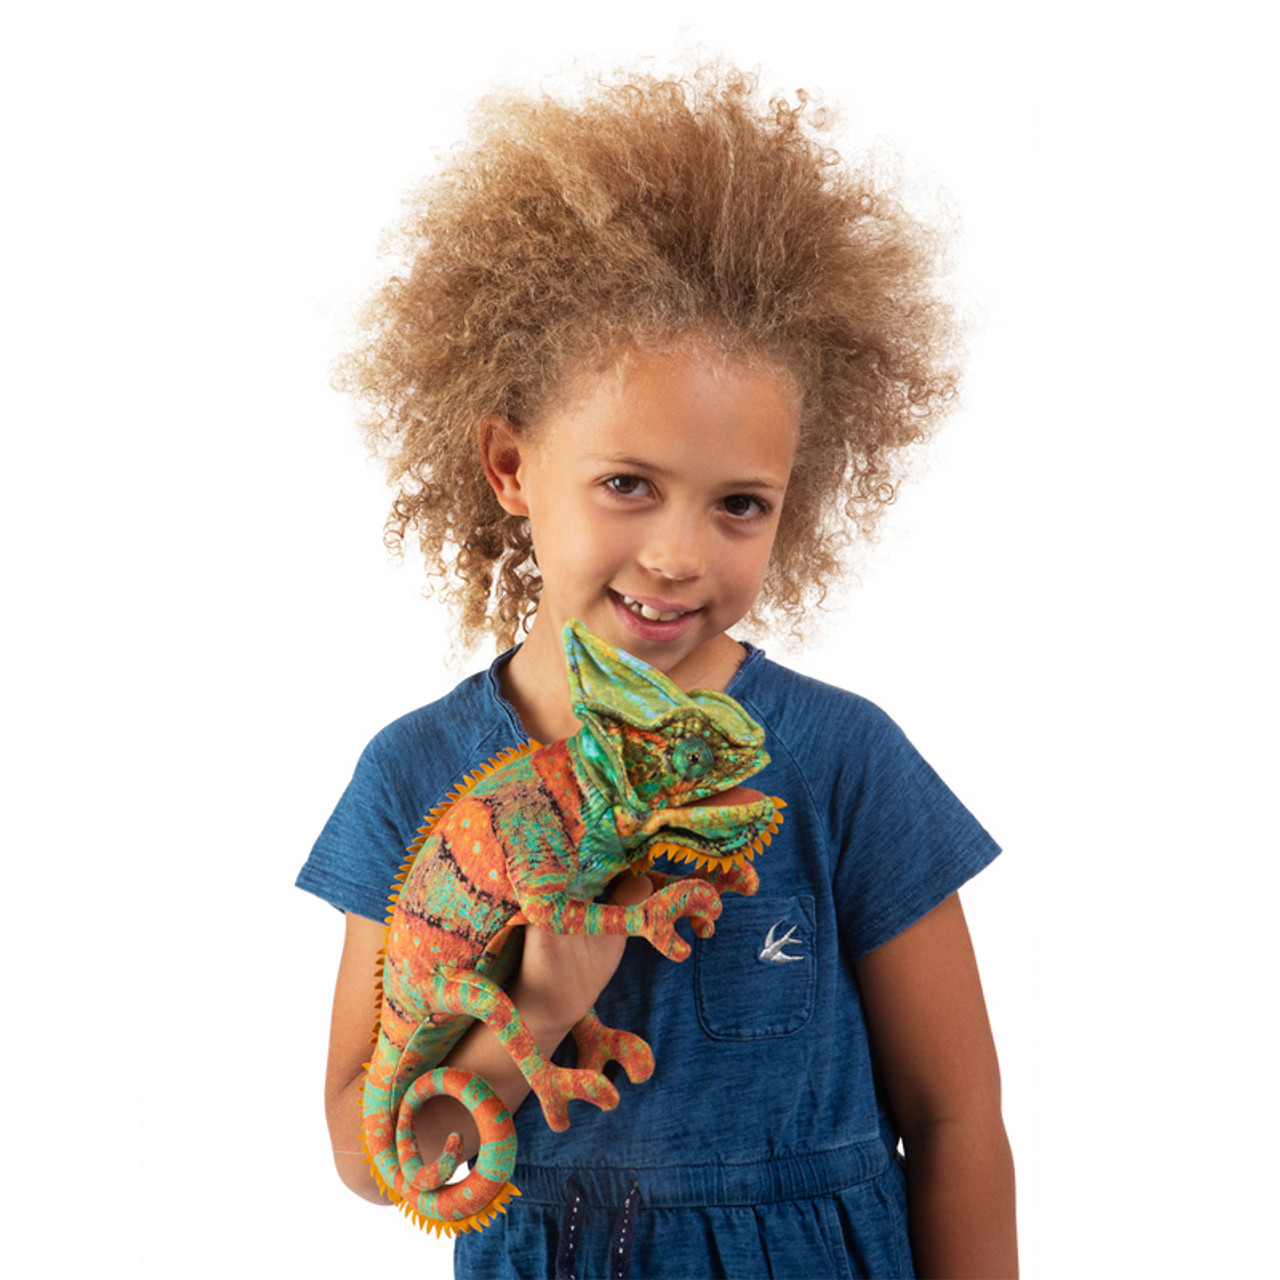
764 1095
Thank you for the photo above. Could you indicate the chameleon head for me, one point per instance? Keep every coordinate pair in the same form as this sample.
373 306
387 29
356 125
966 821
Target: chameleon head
671 762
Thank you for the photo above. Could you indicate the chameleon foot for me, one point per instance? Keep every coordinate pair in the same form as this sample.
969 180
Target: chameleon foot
744 880
655 918
598 1045
557 1086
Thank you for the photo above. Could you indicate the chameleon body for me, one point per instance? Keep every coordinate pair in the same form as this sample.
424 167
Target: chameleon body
533 838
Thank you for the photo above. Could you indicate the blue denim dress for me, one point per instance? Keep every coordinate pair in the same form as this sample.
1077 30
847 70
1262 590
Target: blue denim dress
760 1147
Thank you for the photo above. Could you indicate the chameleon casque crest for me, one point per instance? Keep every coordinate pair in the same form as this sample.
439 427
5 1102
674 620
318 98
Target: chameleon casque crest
534 837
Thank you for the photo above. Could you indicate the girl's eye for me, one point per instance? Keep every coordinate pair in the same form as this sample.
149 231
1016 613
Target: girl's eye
626 486
743 506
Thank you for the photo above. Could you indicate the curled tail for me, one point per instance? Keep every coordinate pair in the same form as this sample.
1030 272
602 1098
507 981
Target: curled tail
419 1188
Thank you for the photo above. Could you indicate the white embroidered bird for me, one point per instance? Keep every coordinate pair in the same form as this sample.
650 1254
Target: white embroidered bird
773 946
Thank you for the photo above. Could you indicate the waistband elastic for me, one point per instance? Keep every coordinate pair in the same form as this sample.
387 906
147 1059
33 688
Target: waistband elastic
797 1177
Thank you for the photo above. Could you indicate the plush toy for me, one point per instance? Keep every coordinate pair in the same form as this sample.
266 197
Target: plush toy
534 837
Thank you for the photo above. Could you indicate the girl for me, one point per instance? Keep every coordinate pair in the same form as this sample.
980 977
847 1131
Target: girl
653 359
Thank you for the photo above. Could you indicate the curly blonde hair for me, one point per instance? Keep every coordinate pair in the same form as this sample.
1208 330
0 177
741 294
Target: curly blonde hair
562 233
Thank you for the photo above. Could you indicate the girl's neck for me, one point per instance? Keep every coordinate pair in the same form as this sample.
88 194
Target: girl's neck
536 685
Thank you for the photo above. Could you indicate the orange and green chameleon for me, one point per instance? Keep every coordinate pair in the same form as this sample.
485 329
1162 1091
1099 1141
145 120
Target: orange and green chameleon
534 837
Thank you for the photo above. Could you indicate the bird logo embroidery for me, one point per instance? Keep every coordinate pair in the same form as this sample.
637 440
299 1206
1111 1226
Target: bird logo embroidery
772 952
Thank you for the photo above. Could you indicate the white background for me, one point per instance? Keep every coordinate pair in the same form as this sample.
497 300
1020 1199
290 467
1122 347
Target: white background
1071 613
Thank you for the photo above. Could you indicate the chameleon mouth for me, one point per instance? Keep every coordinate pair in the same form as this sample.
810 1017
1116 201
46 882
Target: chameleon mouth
688 845
731 799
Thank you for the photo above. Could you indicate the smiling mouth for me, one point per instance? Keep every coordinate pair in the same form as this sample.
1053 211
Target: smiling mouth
648 612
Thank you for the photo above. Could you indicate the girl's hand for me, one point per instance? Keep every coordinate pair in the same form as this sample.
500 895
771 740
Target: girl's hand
562 975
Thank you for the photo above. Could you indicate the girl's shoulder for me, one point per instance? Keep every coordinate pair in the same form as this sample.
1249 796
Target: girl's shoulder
810 715
853 757
407 768
456 726
898 841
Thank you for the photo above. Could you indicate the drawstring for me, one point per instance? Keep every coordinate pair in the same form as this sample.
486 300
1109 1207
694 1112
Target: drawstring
624 1234
620 1245
570 1229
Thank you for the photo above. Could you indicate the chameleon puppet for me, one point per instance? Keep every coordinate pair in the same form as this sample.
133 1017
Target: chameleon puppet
533 838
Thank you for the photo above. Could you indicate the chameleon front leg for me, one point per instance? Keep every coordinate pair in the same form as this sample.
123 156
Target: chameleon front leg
653 919
475 996
744 880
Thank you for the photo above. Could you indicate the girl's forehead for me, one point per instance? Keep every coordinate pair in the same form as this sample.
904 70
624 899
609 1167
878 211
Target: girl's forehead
687 411
629 368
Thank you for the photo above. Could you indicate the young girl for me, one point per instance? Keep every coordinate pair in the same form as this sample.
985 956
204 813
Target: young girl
654 358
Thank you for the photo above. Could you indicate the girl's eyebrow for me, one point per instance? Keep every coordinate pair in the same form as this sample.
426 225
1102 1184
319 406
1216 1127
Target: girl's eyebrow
639 464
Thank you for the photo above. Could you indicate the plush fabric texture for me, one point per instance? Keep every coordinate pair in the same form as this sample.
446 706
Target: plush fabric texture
534 837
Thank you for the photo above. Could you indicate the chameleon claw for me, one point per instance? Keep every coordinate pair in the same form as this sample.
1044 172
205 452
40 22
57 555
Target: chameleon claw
557 1086
599 1045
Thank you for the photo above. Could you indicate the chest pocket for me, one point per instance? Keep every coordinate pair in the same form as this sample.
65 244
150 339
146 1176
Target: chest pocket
754 979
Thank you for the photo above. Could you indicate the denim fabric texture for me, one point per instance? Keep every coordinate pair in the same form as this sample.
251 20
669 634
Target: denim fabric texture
758 1148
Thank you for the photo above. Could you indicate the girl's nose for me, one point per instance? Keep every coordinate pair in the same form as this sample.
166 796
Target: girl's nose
675 552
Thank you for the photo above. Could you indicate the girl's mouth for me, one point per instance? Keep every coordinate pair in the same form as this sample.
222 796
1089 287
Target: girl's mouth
649 612
649 621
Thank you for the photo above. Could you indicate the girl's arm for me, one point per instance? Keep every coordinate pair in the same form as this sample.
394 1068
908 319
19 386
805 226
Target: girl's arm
929 1031
560 978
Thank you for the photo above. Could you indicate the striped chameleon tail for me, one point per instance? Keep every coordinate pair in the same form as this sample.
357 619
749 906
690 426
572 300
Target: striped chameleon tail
419 1188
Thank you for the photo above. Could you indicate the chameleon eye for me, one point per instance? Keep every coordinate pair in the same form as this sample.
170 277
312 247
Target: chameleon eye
692 757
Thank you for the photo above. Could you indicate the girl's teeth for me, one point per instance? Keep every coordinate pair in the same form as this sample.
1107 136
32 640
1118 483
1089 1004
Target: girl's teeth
646 611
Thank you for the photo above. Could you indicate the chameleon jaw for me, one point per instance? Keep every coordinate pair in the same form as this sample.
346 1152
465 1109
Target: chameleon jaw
675 851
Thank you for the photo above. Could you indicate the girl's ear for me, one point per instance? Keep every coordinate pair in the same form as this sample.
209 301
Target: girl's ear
500 455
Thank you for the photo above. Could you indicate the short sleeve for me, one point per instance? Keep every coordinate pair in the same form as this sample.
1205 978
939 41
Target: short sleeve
360 850
409 767
903 841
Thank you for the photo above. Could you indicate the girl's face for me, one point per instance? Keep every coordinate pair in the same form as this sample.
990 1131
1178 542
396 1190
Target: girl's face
653 498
